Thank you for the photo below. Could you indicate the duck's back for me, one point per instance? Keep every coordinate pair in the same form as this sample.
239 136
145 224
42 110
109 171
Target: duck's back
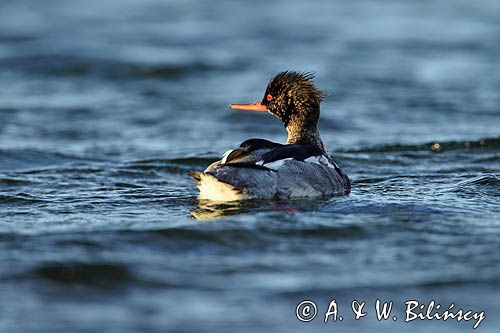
264 169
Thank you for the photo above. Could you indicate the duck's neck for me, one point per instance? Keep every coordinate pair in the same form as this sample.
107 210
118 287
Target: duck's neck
300 134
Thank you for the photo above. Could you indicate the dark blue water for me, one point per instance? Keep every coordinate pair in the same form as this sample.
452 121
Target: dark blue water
106 105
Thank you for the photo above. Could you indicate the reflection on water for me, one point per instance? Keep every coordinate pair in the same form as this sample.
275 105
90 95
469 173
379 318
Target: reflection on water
210 210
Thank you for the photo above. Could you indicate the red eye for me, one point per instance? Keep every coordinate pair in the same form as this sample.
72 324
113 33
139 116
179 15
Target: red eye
269 97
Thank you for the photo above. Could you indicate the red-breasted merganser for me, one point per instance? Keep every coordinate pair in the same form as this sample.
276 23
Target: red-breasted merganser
263 169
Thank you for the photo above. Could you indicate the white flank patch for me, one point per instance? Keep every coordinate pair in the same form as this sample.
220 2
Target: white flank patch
321 160
276 164
213 189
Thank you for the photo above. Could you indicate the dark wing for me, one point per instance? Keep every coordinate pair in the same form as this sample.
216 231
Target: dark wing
245 150
297 152
256 153
264 155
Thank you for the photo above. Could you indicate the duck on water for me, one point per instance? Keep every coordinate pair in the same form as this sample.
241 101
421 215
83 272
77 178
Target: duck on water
260 168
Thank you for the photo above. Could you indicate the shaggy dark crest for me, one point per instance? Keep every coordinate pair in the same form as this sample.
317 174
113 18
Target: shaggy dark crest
292 97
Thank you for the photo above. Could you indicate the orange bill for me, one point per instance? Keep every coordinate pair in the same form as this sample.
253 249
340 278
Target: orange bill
257 106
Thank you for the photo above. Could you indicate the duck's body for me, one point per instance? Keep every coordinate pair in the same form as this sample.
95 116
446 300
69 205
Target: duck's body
263 169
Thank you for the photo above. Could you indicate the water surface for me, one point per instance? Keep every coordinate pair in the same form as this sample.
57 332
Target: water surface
106 105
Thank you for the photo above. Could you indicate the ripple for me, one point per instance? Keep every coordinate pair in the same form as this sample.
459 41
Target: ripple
486 184
482 144
16 39
483 181
19 159
81 66
191 161
173 166
20 199
10 181
104 275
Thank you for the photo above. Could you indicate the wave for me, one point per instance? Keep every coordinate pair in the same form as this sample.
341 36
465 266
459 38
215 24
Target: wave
173 165
19 199
32 160
109 275
189 161
485 184
487 180
81 66
492 144
14 181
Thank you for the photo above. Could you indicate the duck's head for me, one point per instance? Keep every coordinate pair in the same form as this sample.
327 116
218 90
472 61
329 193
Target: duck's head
293 98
